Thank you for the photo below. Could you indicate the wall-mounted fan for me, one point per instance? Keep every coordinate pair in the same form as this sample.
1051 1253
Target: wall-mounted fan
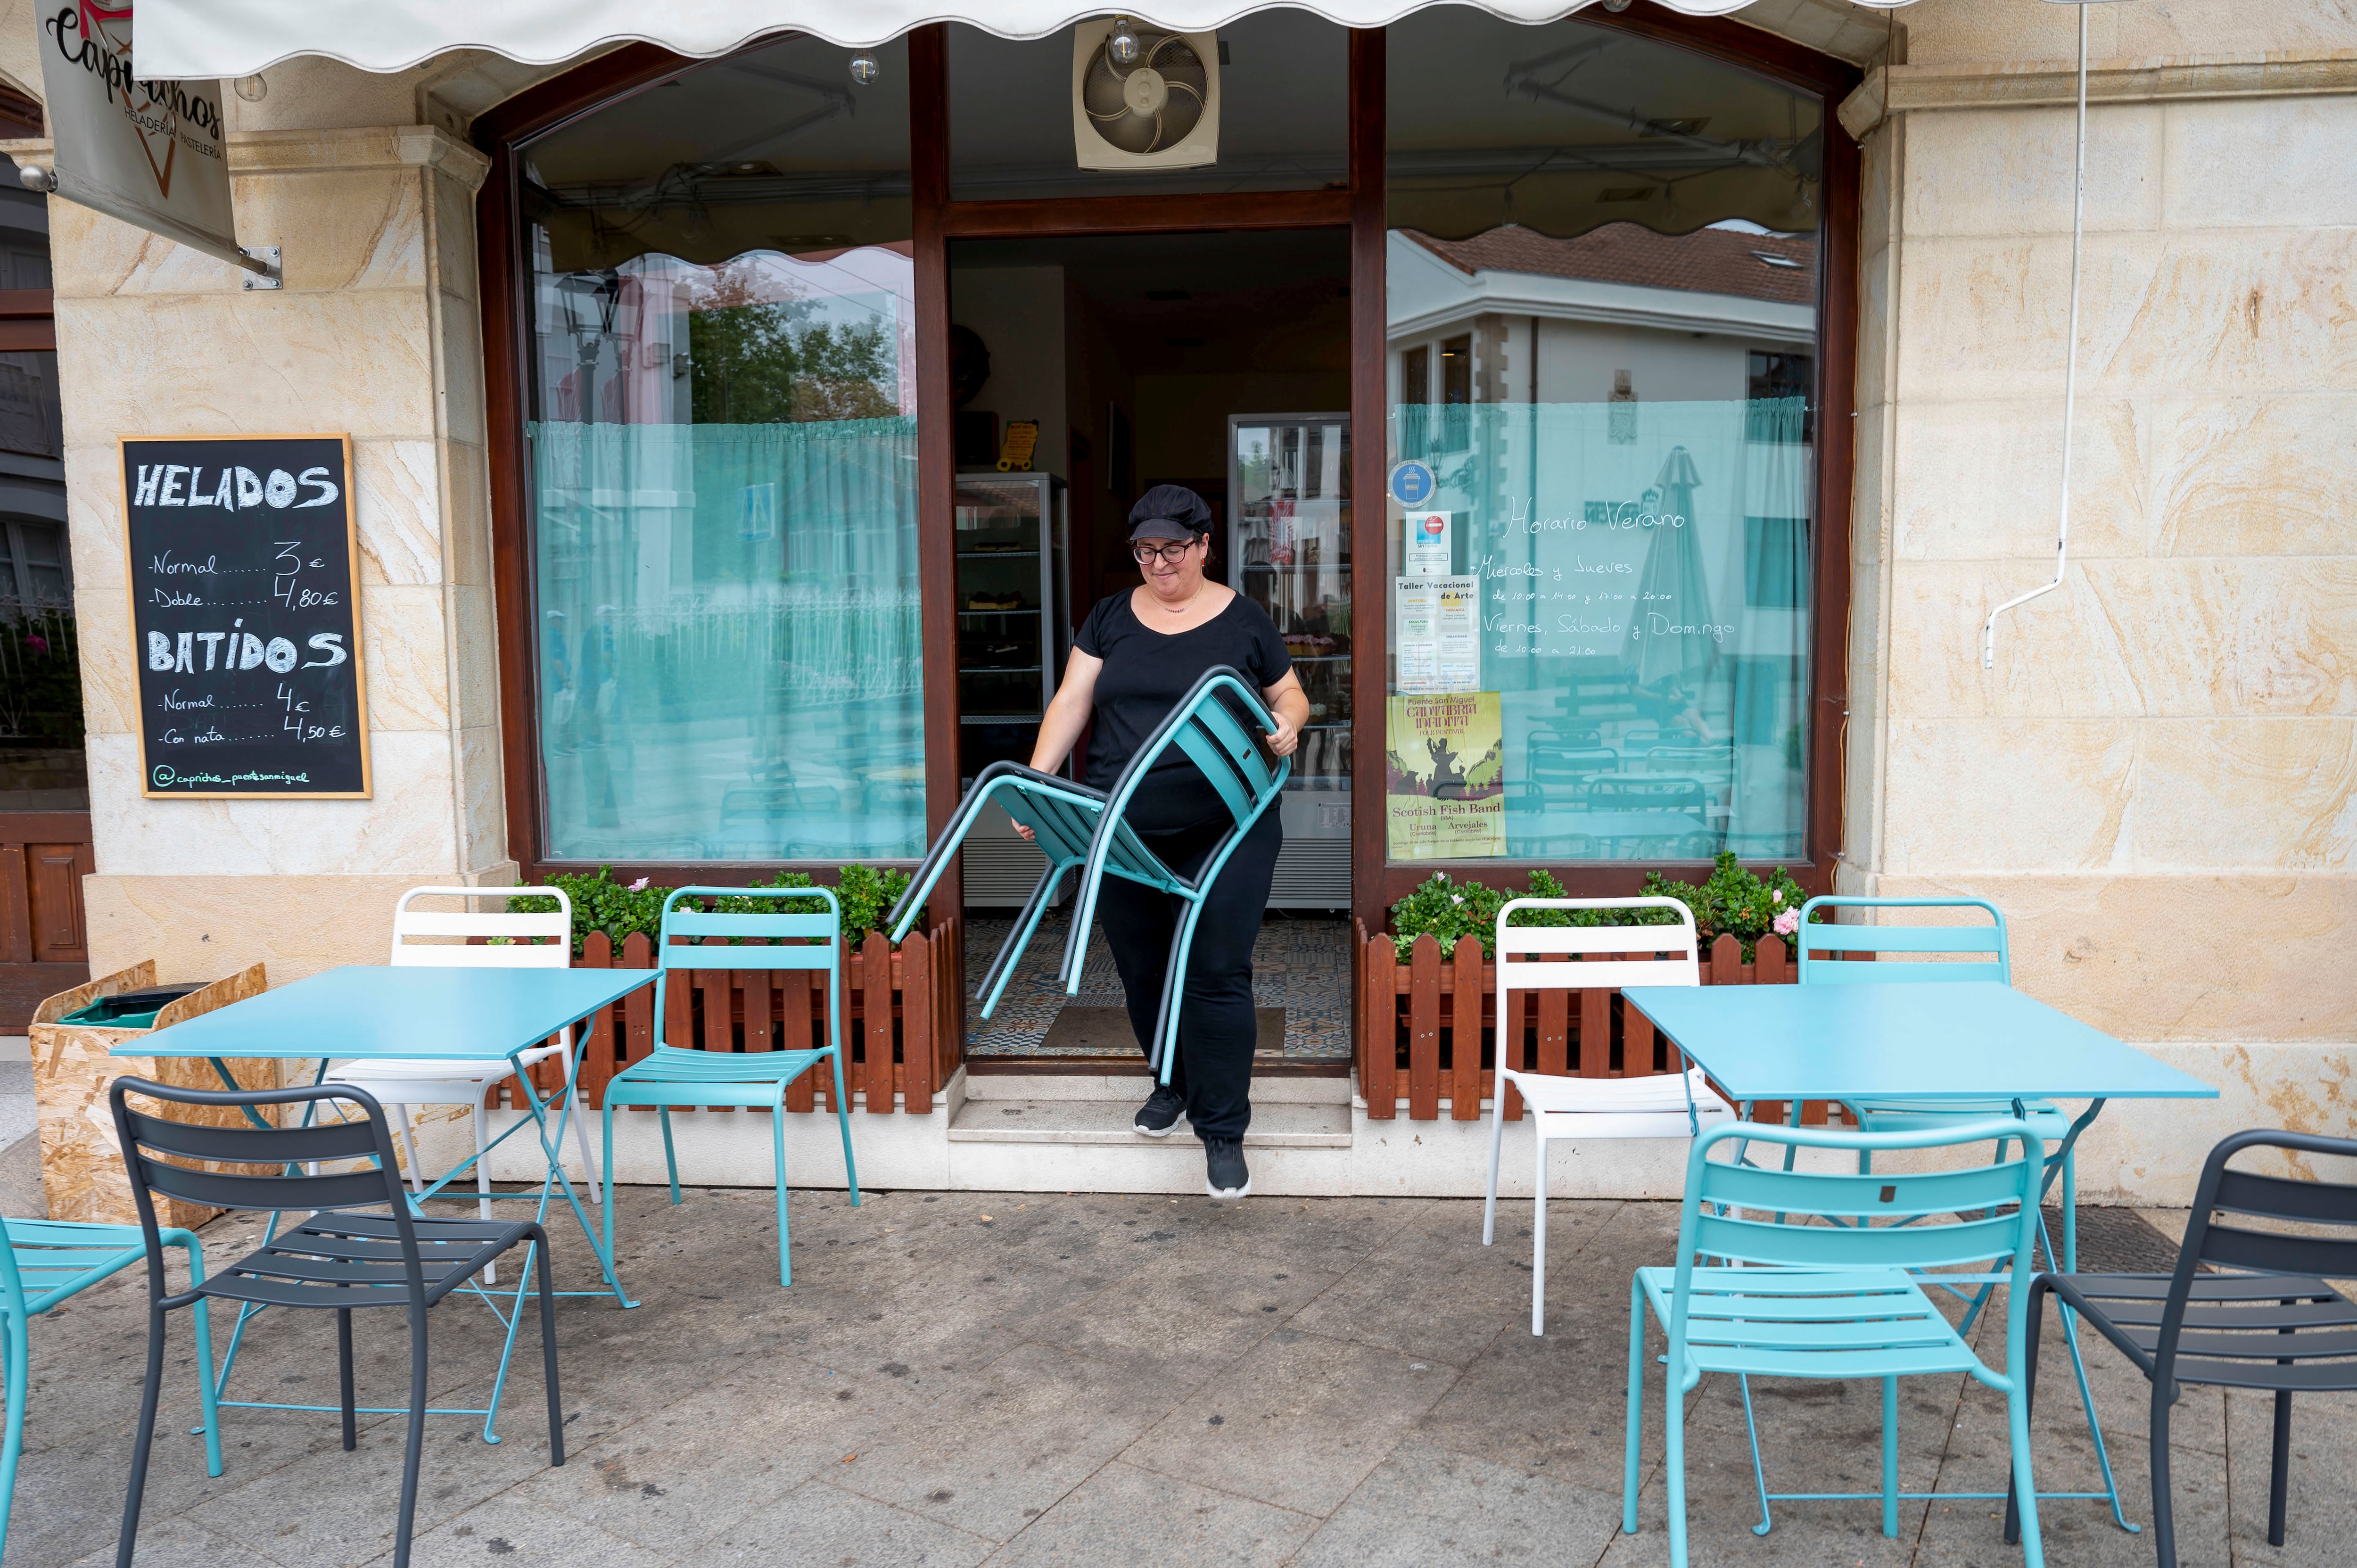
1163 112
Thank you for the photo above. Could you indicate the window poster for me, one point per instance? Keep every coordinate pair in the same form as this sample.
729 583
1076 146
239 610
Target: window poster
1443 777
1438 639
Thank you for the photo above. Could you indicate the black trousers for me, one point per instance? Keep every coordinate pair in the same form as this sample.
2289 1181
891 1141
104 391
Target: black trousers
1216 1027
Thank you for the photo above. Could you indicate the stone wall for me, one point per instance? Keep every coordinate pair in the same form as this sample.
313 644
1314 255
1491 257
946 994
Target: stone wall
375 334
2157 780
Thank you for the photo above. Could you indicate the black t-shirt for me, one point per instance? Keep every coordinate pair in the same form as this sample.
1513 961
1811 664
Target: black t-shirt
1146 674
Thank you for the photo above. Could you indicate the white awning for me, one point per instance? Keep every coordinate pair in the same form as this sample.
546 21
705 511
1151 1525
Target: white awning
194 39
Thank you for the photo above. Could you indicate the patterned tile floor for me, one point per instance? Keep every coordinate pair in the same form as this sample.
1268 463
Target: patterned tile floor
1300 965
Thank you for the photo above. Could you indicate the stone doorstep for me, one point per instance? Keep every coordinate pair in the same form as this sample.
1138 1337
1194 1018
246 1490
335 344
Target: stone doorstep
1106 1123
1131 1087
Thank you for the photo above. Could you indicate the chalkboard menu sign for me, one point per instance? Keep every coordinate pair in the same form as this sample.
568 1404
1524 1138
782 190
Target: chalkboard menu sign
245 613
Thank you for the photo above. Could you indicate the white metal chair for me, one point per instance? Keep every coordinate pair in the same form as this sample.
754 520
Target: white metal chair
1664 1105
530 941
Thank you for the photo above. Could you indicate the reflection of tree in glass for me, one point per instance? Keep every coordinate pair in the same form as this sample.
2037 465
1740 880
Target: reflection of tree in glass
766 362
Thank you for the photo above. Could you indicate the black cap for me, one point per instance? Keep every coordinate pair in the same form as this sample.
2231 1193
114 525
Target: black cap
1170 511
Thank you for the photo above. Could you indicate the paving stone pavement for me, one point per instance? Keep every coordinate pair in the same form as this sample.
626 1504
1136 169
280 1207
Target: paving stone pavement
964 1379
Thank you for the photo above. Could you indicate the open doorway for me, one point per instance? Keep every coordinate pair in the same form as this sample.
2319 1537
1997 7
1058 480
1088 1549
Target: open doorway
1216 361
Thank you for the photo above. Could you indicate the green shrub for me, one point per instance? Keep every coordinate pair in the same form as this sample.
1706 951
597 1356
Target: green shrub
601 903
1733 902
1449 910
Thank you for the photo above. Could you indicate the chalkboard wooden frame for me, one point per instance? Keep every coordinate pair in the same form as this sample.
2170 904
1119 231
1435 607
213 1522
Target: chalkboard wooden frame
350 503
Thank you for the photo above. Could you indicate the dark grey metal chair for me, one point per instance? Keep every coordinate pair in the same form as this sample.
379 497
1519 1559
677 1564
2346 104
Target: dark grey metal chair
2245 1308
338 1257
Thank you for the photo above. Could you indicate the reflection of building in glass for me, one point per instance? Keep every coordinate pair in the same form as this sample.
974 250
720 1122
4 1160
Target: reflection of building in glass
1620 422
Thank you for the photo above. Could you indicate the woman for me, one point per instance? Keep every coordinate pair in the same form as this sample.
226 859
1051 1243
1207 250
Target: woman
1137 654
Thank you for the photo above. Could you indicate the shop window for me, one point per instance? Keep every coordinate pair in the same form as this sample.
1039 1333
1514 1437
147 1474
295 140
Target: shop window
1600 619
1415 398
726 649
1283 111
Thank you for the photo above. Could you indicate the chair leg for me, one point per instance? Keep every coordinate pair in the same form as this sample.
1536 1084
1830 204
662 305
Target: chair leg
483 1180
19 1382
670 1157
2033 1327
1636 1406
778 1169
1890 1457
143 1440
581 1142
208 1394
1496 1139
1538 1230
344 1375
2164 1511
2279 1477
842 1124
2025 1487
399 1116
548 1348
1673 1470
414 1452
606 1115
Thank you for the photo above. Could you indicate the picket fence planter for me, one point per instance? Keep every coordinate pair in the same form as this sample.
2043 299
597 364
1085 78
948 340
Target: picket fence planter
903 1027
1413 1016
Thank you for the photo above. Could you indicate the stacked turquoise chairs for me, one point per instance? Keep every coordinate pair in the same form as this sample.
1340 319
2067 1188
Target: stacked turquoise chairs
1080 828
45 1262
752 1079
1819 1275
1946 954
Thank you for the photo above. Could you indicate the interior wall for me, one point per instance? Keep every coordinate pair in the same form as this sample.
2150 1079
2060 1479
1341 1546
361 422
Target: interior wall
1018 313
1182 420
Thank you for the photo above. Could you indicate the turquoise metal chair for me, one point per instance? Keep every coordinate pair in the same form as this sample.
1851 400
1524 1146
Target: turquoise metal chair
1077 827
1977 952
1946 954
672 1075
45 1262
1817 1278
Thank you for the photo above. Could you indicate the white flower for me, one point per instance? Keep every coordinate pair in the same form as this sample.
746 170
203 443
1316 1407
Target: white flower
1775 896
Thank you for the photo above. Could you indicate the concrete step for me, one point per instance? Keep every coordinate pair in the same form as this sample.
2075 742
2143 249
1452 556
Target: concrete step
1131 1087
1281 1124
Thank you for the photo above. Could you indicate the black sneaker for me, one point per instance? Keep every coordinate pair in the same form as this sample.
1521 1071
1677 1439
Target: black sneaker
1160 1113
1224 1171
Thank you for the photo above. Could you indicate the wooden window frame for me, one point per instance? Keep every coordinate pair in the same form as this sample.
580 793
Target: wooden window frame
936 219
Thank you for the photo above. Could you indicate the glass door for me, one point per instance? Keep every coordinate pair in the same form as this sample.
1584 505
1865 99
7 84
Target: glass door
1289 552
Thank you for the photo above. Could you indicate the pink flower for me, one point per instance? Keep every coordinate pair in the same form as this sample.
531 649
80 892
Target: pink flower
639 885
1788 922
1775 894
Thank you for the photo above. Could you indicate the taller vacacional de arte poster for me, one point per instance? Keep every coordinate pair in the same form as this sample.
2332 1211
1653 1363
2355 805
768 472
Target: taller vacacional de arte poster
1445 794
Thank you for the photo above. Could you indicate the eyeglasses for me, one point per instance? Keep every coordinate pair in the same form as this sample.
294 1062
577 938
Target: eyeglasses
1169 555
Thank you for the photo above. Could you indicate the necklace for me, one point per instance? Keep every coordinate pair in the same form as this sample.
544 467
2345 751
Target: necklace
1182 610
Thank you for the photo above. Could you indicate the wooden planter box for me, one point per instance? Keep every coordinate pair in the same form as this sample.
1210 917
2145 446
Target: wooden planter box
1413 1015
81 1165
903 1027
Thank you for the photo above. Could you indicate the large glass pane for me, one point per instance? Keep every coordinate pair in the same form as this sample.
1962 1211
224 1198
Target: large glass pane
1282 111
1603 316
724 469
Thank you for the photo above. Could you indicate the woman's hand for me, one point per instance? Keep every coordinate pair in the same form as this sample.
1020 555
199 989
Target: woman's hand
1288 705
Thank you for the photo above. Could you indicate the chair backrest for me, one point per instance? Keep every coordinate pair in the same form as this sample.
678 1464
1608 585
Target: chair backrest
542 940
154 1148
1566 764
1216 742
1518 969
1819 942
1757 1214
806 940
2323 1246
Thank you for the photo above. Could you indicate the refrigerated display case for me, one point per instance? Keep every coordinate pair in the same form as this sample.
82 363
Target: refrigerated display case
1014 627
1289 552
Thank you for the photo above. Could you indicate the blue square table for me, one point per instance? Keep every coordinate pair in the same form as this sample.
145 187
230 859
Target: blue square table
1969 1040
471 1015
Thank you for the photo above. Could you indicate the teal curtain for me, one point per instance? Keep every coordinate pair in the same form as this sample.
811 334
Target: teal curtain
729 643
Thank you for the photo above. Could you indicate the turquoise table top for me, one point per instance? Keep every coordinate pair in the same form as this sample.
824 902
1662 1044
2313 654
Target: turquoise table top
1970 1040
368 1010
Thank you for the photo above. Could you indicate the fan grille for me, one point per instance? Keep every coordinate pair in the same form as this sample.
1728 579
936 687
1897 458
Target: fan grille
1106 96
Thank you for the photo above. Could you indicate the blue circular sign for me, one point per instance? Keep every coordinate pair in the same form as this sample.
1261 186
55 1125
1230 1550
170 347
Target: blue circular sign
1412 483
